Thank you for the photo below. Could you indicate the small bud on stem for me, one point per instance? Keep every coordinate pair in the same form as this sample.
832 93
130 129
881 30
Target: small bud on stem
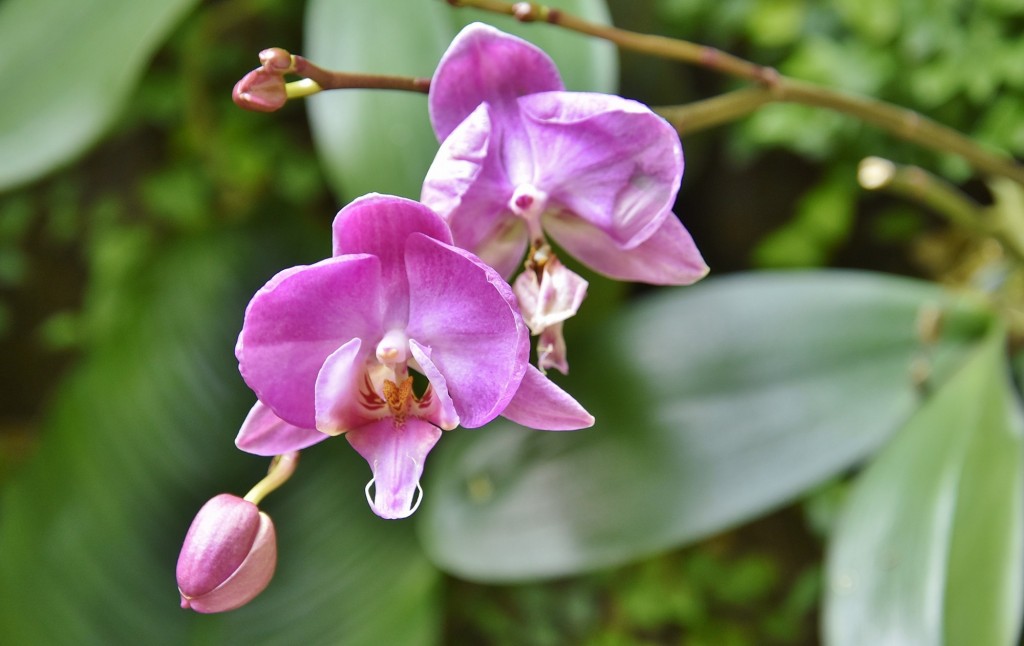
265 90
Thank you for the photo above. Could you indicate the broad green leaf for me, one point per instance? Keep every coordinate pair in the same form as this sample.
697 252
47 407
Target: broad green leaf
67 68
141 436
929 547
377 141
714 404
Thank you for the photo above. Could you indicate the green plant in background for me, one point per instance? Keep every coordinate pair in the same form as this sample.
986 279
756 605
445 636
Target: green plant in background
715 404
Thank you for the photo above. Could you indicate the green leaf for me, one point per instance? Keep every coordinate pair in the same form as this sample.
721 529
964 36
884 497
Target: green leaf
714 404
67 68
140 437
929 547
378 141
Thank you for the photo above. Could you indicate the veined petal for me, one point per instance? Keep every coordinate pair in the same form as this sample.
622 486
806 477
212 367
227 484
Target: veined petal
344 399
250 578
468 316
468 186
294 323
485 64
217 542
608 160
436 406
396 453
668 257
264 433
542 405
379 225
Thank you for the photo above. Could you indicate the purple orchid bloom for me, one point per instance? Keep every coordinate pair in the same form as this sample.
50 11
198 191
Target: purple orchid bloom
520 156
328 348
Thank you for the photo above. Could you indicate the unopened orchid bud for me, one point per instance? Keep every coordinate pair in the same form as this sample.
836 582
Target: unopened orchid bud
228 556
261 90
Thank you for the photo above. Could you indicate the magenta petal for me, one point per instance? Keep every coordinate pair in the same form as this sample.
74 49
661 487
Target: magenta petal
467 185
484 64
339 405
438 408
668 257
541 405
379 225
228 557
294 323
396 453
468 317
608 160
264 433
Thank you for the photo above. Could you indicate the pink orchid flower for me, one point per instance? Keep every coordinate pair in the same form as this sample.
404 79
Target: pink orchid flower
521 157
398 336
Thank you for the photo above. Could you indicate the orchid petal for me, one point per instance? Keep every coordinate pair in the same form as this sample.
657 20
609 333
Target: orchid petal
396 453
294 323
608 160
669 257
436 406
379 225
468 186
468 316
340 406
483 64
264 433
542 405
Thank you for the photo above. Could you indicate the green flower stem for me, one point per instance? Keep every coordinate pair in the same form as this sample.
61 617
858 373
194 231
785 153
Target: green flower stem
901 122
302 89
281 468
876 174
716 111
917 184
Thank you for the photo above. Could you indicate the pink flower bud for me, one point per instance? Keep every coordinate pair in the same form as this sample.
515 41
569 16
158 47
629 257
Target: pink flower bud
228 557
261 90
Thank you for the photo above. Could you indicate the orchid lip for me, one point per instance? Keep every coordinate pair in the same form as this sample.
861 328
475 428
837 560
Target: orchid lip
412 510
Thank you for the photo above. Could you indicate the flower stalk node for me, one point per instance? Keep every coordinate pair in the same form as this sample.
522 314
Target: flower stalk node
532 12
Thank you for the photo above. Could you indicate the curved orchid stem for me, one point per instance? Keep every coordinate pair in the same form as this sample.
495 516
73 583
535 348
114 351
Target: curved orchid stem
328 80
917 184
772 86
281 468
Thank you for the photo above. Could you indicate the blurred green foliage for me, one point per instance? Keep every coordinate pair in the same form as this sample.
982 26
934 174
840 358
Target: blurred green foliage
957 61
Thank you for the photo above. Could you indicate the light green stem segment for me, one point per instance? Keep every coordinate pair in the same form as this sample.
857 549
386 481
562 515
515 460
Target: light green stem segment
281 468
303 88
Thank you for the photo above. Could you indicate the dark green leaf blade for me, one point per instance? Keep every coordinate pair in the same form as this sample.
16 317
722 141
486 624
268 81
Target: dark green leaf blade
67 68
714 403
928 549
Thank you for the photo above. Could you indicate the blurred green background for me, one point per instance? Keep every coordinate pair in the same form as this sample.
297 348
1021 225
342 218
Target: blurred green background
141 212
